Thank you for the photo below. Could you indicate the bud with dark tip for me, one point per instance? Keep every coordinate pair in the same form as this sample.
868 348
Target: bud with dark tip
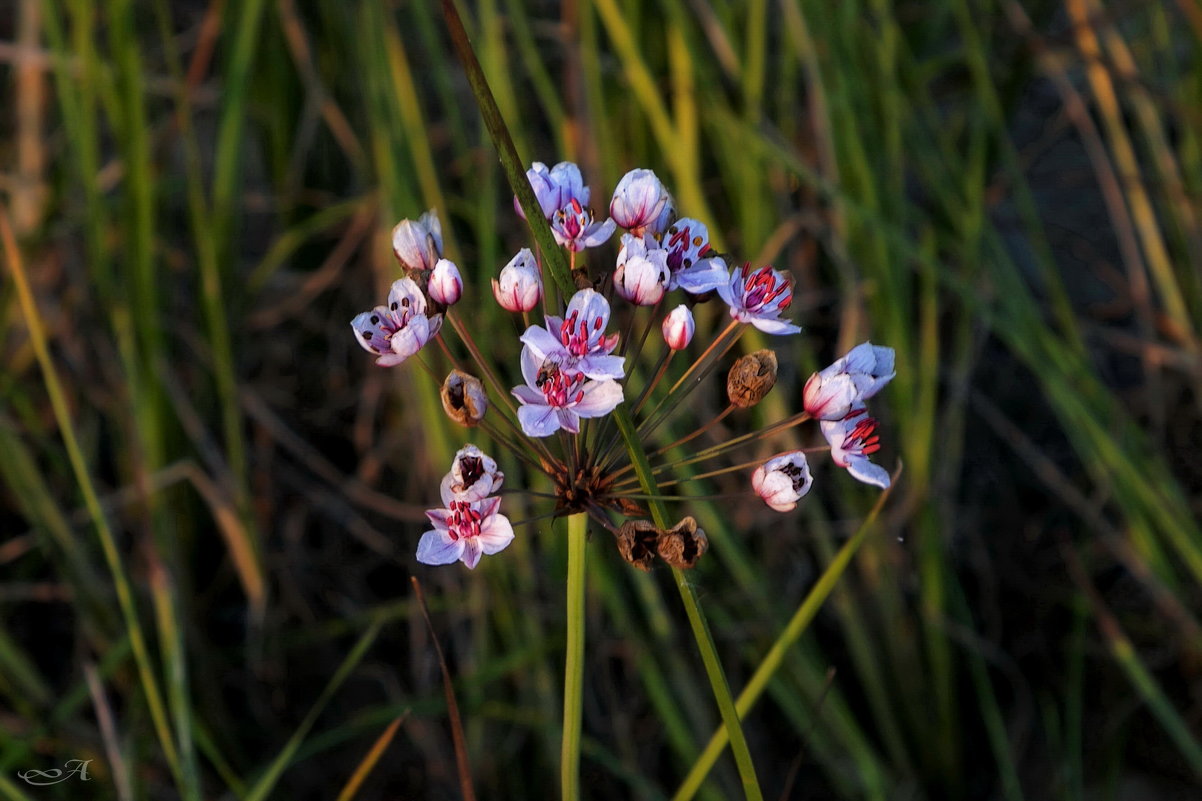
683 544
463 398
637 541
751 377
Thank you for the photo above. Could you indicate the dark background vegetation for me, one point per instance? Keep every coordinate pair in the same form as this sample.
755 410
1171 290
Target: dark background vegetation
1007 193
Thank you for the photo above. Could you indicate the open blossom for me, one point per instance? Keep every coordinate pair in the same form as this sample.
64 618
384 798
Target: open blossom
463 531
445 285
578 339
679 327
853 439
557 395
574 228
641 276
695 267
555 188
639 202
418 244
397 331
833 392
473 477
759 298
783 480
520 287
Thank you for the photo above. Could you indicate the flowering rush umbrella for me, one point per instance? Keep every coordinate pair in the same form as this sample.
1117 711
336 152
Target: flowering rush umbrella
568 407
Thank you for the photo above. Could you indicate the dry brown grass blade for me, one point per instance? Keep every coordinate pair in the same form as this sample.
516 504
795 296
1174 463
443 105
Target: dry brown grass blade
351 789
465 773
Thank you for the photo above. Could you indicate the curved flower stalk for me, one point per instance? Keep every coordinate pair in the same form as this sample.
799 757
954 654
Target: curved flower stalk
397 331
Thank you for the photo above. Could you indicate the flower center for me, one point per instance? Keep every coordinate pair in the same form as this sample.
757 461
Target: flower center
464 521
560 388
472 469
679 247
863 439
572 220
578 336
763 288
795 474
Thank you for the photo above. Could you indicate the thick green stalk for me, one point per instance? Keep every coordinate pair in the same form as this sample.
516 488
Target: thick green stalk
573 669
701 633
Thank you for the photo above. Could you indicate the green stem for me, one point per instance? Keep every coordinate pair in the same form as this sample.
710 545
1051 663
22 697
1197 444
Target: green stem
701 632
573 669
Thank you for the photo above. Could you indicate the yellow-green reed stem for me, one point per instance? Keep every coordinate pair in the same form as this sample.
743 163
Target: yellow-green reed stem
63 417
788 637
573 669
701 633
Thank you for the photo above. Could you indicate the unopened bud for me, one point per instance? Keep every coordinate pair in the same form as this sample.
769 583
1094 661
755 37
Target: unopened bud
678 328
637 541
750 378
463 398
683 544
445 285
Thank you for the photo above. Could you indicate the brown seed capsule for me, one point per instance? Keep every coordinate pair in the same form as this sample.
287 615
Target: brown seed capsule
750 378
636 542
683 544
463 398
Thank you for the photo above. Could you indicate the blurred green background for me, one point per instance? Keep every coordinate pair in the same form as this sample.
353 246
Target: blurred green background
205 553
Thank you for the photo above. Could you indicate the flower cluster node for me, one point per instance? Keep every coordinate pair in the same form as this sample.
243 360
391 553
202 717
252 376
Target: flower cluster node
750 378
463 398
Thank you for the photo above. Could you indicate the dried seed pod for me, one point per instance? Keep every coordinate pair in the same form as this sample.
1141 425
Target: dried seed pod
463 398
636 542
683 544
750 378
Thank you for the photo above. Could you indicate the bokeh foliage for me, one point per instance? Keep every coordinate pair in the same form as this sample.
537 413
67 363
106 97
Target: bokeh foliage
1006 193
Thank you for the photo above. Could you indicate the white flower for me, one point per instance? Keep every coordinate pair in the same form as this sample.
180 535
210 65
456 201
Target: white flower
783 480
574 228
639 201
464 530
833 392
397 331
445 285
520 287
642 274
678 328
759 298
473 477
578 340
418 245
556 395
853 439
695 267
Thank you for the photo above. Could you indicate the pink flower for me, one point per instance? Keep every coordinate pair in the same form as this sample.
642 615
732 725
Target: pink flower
695 267
783 480
853 439
639 201
445 285
463 531
473 477
678 328
418 245
520 287
556 395
574 228
833 392
641 276
759 298
397 331
578 341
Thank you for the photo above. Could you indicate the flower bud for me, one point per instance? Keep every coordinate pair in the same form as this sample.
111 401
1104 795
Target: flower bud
642 274
848 382
683 544
783 480
636 543
679 327
750 378
520 287
418 244
638 201
445 285
463 398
